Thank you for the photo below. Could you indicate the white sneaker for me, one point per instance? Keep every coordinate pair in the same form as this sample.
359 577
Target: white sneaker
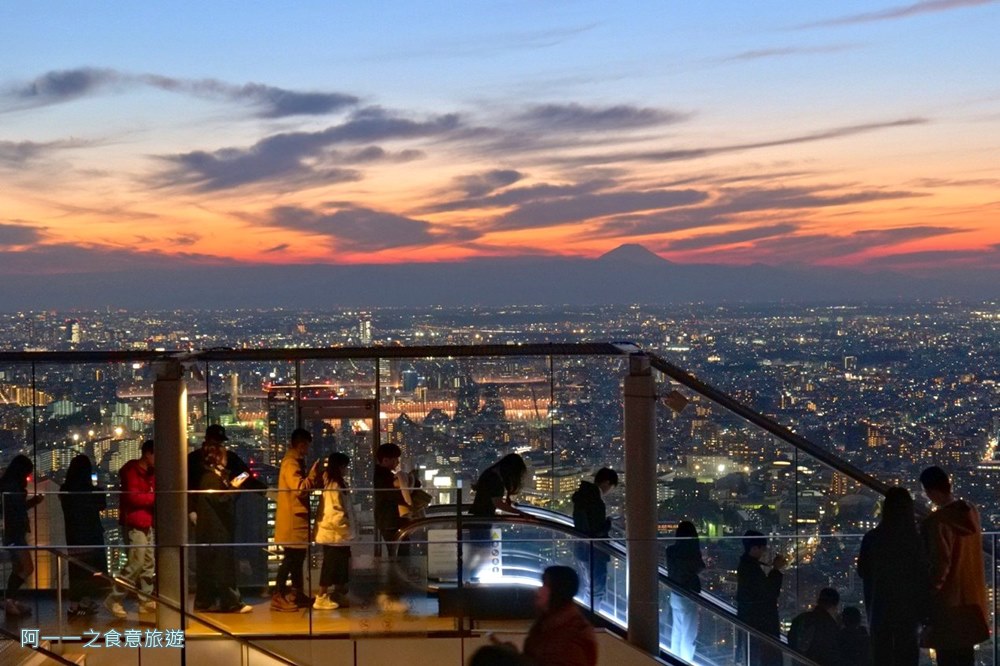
116 608
388 605
147 606
324 602
244 609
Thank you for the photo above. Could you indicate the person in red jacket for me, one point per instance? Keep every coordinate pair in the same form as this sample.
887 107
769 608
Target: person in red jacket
561 636
135 513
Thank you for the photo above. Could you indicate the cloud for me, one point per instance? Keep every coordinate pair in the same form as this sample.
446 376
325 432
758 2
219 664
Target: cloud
729 237
300 157
576 117
15 154
19 234
281 247
588 206
522 195
481 184
781 52
816 247
66 258
60 86
356 229
698 153
955 182
900 12
271 101
730 203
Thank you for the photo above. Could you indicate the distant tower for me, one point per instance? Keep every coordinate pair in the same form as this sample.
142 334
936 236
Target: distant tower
365 330
73 331
234 392
850 363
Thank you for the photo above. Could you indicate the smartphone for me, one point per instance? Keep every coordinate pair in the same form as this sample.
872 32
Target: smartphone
93 478
239 479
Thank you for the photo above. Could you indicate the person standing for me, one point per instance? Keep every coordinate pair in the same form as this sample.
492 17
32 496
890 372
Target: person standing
757 596
216 527
336 527
959 616
136 514
494 489
684 563
590 516
14 495
855 644
291 522
561 636
82 503
390 498
894 571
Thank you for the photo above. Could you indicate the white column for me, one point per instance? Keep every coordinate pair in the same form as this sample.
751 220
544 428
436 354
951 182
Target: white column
640 505
170 442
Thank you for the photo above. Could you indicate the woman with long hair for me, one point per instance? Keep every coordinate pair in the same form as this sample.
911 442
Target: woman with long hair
684 563
896 577
494 489
82 503
335 529
14 496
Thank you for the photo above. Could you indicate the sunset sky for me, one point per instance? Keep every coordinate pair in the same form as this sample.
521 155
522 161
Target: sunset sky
169 134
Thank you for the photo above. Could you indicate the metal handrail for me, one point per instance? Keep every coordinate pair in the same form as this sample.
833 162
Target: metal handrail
706 602
121 582
11 636
730 404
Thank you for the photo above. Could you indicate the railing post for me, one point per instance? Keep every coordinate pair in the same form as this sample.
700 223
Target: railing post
640 505
170 437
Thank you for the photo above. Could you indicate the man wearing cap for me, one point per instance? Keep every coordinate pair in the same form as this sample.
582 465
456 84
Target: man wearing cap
235 467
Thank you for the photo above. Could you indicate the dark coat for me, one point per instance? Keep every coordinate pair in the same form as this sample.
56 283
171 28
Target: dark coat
816 634
489 487
589 513
388 499
684 563
895 574
855 647
82 515
216 515
16 526
757 596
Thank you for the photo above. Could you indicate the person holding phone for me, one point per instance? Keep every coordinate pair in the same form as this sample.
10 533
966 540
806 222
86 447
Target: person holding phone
757 596
291 522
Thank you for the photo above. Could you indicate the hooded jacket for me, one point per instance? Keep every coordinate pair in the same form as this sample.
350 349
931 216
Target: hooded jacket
138 497
959 615
589 513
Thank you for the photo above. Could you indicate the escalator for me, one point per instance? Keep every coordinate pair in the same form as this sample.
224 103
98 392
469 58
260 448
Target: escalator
520 548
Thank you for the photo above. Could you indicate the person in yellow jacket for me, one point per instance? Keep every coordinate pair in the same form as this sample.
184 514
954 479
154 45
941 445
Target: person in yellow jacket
291 522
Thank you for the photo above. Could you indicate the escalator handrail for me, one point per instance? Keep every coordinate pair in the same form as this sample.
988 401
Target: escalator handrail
49 654
704 601
730 404
155 596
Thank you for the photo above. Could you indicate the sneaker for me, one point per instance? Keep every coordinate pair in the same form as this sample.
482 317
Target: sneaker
147 606
116 608
324 602
79 611
389 605
242 609
281 603
304 600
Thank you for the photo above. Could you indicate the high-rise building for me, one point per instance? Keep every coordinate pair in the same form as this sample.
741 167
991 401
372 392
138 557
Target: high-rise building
281 420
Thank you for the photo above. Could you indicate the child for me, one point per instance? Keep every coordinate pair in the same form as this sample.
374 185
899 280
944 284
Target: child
335 529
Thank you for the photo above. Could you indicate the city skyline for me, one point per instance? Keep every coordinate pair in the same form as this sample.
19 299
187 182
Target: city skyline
789 135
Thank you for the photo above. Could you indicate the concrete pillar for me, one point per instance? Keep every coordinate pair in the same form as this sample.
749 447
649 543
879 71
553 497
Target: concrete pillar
640 505
170 437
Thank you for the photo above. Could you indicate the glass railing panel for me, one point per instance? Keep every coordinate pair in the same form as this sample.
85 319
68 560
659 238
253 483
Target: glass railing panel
585 408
